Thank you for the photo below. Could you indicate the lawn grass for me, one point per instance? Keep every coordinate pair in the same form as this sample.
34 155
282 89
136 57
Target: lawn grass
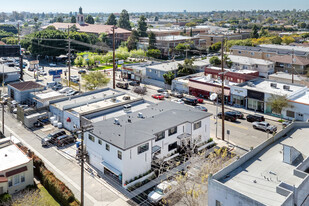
46 199
109 66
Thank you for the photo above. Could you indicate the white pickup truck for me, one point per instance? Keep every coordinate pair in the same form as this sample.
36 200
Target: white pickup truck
265 126
161 191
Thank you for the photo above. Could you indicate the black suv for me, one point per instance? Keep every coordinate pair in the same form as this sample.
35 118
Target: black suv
123 85
255 118
51 138
189 100
134 83
230 116
64 139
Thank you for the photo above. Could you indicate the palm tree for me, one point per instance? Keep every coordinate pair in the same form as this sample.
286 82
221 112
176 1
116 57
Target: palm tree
277 103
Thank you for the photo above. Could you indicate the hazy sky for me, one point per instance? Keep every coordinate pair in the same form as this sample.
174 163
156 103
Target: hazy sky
147 5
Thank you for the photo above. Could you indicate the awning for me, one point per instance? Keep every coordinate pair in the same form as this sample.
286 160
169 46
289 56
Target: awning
111 168
155 149
208 88
16 171
183 136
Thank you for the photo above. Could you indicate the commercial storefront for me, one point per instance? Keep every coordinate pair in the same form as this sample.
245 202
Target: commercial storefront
255 101
239 96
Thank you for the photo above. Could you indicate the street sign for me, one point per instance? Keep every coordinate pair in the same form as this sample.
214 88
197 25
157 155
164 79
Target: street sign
55 71
56 78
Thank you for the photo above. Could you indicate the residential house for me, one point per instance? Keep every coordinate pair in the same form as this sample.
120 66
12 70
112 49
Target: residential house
264 67
20 91
126 147
217 37
16 168
286 63
273 173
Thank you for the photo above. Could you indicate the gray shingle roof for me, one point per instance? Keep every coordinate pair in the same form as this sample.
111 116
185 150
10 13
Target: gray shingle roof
157 118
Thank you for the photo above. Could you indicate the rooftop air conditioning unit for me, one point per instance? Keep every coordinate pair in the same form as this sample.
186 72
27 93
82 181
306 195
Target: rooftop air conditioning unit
140 115
286 87
274 85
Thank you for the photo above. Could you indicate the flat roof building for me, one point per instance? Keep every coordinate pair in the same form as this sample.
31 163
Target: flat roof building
276 172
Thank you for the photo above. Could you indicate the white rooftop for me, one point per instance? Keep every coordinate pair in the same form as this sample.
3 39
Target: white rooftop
47 95
11 156
174 38
205 79
268 169
240 71
276 46
167 66
249 61
264 86
304 98
284 75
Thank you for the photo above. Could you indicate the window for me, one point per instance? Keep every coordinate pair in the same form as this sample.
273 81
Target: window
239 52
160 136
16 180
218 203
22 177
100 142
142 148
10 181
290 114
252 53
119 155
197 125
172 131
107 147
91 137
172 146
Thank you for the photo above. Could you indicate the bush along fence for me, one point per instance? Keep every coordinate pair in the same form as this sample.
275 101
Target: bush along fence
53 185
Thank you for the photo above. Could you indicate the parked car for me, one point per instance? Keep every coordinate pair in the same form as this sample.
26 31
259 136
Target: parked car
72 93
140 90
162 190
190 100
255 118
228 116
82 71
51 138
74 79
239 115
134 83
166 94
52 65
162 90
44 73
65 90
37 124
200 101
176 94
123 85
158 96
286 123
64 139
57 87
265 126
178 101
202 108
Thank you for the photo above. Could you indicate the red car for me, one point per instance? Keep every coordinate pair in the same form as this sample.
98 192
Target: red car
200 100
158 96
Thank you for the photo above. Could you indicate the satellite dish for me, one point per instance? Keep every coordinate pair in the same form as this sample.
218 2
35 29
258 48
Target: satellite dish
213 96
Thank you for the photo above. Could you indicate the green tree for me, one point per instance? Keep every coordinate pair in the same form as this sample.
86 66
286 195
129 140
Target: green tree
264 32
89 19
154 53
73 19
254 33
302 25
156 18
168 77
215 61
191 24
111 20
35 19
124 20
276 40
59 19
94 80
215 47
132 40
152 41
186 68
103 37
269 20
277 103
51 27
142 26
97 19
287 40
73 28
8 28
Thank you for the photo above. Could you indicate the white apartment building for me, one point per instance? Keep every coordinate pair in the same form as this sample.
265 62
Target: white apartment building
125 147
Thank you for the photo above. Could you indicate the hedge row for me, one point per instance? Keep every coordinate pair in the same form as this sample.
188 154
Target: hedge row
52 184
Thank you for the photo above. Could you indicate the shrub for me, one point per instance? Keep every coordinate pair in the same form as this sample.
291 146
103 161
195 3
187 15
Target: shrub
210 140
5 198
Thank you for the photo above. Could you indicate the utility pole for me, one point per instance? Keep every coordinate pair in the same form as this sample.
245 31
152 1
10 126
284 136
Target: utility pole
84 128
69 57
2 124
114 62
21 65
222 90
293 56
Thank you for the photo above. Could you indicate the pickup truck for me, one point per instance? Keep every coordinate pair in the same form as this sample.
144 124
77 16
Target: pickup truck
161 191
264 126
